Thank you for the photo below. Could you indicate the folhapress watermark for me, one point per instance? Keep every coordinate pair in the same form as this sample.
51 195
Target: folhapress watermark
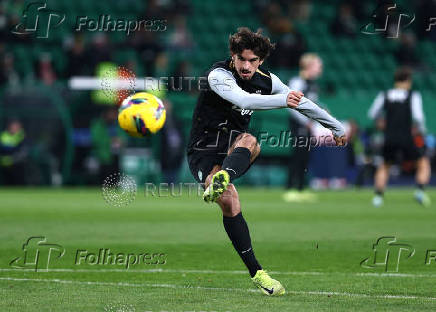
285 138
39 20
105 23
391 19
104 257
37 254
387 254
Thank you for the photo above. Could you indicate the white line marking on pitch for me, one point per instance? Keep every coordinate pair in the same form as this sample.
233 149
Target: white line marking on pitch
294 292
369 274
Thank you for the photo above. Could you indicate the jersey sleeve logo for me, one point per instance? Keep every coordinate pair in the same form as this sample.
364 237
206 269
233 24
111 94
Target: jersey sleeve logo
242 110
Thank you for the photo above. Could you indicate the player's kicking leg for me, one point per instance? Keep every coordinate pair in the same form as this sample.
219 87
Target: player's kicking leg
234 222
240 155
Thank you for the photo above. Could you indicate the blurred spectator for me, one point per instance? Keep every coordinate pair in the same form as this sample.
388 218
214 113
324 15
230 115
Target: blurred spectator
8 73
299 10
359 9
3 23
161 65
166 10
290 45
45 70
13 153
106 142
181 37
270 12
181 71
155 9
345 22
99 51
77 58
407 54
149 48
172 147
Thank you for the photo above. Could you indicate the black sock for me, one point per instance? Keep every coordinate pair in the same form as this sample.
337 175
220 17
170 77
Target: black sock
379 192
237 162
420 186
238 232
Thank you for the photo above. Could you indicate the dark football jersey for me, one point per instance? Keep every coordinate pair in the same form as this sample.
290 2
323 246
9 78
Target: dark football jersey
398 115
216 122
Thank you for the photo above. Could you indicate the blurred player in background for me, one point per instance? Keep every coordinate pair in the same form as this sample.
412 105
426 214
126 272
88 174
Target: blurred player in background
300 125
401 107
13 154
220 150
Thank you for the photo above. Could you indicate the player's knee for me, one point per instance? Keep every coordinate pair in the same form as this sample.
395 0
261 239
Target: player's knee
249 141
229 202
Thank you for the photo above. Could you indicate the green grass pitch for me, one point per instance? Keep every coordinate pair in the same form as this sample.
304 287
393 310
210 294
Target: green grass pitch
314 249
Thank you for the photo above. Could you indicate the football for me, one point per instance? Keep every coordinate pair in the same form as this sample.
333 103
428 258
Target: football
141 114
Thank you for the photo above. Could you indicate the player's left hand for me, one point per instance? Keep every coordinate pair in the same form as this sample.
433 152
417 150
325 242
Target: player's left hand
294 98
341 141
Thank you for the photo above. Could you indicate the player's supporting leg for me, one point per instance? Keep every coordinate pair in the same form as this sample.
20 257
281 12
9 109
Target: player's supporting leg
237 231
239 157
381 179
422 178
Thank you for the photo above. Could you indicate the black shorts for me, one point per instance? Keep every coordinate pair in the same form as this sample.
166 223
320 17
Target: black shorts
201 163
395 153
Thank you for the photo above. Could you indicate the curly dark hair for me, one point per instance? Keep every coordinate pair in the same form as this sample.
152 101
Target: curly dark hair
245 39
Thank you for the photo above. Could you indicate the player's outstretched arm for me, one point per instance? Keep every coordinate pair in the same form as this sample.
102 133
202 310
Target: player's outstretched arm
418 112
224 84
311 110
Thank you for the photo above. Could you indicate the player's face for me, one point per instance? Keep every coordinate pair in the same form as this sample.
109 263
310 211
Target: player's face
315 68
246 64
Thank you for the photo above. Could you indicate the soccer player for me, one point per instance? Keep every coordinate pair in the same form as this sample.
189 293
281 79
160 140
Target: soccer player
220 150
310 70
401 107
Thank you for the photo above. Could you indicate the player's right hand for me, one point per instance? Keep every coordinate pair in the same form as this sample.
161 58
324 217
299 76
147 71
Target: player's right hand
294 98
341 141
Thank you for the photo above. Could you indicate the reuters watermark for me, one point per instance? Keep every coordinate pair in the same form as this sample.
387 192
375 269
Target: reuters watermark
119 189
167 83
174 189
